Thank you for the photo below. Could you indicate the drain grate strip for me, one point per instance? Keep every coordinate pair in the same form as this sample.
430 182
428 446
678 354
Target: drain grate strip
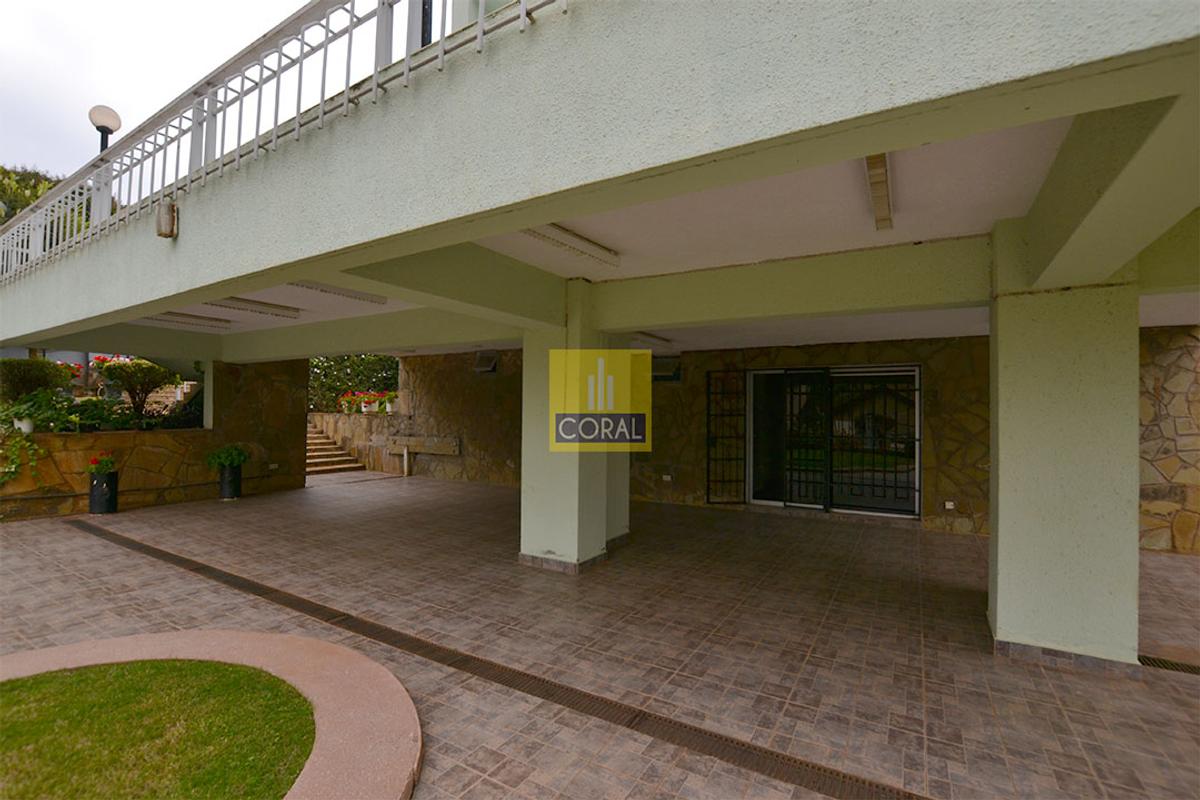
740 753
1166 663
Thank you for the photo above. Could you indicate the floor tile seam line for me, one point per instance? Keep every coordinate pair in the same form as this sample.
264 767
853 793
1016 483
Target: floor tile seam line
841 578
844 784
924 668
714 628
1070 725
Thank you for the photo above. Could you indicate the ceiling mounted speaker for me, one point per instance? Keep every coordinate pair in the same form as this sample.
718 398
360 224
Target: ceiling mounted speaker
486 361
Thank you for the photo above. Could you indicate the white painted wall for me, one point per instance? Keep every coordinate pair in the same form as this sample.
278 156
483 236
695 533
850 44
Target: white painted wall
613 88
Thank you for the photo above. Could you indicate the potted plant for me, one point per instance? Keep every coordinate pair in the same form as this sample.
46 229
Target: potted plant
23 424
102 493
389 402
229 460
44 409
370 402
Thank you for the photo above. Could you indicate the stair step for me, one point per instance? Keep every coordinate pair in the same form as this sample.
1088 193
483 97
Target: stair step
332 460
323 455
355 467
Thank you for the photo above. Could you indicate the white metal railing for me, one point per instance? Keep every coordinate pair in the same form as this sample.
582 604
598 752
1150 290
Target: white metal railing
318 63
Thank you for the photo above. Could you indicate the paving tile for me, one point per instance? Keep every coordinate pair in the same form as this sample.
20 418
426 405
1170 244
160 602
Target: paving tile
855 645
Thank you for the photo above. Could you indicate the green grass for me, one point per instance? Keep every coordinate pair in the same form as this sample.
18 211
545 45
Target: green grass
850 459
161 729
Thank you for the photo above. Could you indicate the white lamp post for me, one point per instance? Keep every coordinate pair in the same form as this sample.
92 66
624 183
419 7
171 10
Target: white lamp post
106 121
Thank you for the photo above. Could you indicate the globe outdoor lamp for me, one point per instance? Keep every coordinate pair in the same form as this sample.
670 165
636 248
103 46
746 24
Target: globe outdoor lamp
106 121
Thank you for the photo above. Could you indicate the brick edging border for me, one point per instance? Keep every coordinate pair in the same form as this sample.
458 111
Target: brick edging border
368 736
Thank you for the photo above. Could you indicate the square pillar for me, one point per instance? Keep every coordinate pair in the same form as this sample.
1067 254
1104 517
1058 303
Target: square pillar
1063 572
572 504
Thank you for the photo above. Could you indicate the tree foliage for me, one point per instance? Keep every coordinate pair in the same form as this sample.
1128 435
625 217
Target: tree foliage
139 378
330 376
19 187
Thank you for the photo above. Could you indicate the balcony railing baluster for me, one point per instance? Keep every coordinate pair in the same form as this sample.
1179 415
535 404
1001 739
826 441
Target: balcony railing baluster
81 207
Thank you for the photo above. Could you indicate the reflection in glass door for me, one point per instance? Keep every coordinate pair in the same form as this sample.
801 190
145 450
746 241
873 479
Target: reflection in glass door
873 441
769 437
807 436
840 438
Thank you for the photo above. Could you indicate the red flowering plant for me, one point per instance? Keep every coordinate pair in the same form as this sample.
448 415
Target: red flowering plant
352 402
102 463
99 360
73 368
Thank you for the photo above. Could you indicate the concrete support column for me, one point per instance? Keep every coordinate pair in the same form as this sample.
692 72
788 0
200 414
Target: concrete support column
572 504
1064 465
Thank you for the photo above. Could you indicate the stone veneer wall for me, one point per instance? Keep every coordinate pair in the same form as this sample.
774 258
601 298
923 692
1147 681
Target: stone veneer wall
1169 412
260 406
443 396
954 421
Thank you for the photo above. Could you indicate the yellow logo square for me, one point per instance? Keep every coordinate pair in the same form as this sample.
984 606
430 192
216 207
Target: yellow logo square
599 401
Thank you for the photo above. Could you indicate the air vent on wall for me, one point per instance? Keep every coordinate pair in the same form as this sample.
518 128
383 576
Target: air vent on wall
486 361
666 369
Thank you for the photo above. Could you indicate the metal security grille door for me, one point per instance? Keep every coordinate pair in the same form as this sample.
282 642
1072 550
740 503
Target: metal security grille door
841 438
874 441
807 438
726 437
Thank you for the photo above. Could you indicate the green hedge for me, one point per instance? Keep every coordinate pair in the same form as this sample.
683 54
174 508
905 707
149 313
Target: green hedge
22 376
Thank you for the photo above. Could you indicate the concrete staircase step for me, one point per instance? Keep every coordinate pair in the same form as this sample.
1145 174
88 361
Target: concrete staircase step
335 459
355 467
324 456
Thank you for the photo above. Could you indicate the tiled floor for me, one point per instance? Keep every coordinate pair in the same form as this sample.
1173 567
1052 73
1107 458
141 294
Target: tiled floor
1170 593
859 646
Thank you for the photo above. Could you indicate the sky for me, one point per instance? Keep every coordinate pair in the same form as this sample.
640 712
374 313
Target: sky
60 59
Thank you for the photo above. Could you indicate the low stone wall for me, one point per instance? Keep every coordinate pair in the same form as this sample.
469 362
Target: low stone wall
363 436
1169 412
259 406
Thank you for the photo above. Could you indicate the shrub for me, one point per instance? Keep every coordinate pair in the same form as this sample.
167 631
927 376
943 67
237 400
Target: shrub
139 379
22 376
185 415
103 413
231 455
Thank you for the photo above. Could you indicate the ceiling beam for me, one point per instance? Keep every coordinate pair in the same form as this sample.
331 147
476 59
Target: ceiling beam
378 333
951 273
1172 262
142 340
472 280
1122 177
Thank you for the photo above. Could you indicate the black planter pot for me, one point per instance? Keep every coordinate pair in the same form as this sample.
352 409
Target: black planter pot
231 482
102 494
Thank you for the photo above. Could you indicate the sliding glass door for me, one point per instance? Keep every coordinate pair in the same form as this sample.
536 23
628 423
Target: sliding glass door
836 438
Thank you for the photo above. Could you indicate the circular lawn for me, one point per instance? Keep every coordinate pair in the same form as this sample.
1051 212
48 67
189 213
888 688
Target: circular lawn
171 728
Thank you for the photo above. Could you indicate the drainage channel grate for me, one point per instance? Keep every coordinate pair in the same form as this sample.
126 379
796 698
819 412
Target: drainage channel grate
1166 663
780 766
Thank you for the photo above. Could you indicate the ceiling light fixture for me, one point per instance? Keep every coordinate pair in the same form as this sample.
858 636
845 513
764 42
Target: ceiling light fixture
349 294
256 307
880 188
179 318
567 239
